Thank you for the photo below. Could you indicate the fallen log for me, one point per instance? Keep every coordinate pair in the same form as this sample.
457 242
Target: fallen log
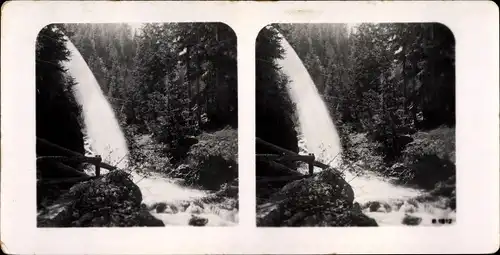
70 152
287 152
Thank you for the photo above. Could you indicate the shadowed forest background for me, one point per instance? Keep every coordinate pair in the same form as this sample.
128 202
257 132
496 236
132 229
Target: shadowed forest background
389 88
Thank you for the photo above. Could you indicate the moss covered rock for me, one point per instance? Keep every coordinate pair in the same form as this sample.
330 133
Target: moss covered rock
324 199
212 161
110 200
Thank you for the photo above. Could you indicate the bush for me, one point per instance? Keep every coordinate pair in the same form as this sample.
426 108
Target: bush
363 154
223 143
148 155
430 158
213 161
439 142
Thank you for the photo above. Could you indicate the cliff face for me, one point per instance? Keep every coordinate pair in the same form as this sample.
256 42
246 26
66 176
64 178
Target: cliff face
111 200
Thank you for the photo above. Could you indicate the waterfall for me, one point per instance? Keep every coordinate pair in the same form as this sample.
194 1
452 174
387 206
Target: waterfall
319 136
101 125
105 137
315 123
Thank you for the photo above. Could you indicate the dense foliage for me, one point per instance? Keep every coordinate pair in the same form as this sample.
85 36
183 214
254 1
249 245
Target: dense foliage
387 87
173 88
57 113
274 110
171 80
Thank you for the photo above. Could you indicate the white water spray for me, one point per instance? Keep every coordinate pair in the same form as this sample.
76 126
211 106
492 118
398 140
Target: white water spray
104 137
319 135
315 122
101 125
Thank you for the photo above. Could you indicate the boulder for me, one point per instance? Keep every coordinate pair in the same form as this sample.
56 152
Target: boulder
161 207
59 214
214 159
197 221
374 206
411 220
110 200
324 199
147 220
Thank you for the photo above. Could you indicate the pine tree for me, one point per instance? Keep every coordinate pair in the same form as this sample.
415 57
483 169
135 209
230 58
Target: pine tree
57 112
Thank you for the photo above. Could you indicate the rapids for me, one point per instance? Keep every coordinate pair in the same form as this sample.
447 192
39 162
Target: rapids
317 134
103 136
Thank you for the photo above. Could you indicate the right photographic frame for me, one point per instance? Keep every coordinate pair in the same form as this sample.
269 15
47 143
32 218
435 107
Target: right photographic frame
355 125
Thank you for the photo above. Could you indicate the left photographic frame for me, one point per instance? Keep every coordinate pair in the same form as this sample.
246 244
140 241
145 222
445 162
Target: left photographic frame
136 125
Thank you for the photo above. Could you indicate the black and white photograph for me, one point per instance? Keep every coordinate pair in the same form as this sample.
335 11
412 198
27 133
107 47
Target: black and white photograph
355 125
136 125
249 127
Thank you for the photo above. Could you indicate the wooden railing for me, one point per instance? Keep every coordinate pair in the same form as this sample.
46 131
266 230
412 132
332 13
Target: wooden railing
276 160
70 156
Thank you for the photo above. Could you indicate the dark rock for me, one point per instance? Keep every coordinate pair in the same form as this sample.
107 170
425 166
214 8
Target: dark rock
356 207
197 221
429 170
374 206
213 160
160 207
173 208
361 220
411 220
110 200
57 215
147 220
453 203
324 199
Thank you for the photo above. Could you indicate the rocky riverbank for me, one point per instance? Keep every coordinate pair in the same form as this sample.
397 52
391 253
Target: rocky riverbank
324 199
111 200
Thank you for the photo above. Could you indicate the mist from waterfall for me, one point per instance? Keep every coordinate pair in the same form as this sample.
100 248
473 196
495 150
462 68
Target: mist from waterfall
101 125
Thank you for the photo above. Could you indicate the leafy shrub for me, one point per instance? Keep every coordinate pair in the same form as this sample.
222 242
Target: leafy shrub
429 159
223 143
363 154
439 142
148 156
213 160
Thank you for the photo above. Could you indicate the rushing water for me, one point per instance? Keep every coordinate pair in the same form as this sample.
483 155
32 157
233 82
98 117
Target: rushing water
105 137
319 135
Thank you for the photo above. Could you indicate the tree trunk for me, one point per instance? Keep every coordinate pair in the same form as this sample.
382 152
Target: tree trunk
188 78
217 76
